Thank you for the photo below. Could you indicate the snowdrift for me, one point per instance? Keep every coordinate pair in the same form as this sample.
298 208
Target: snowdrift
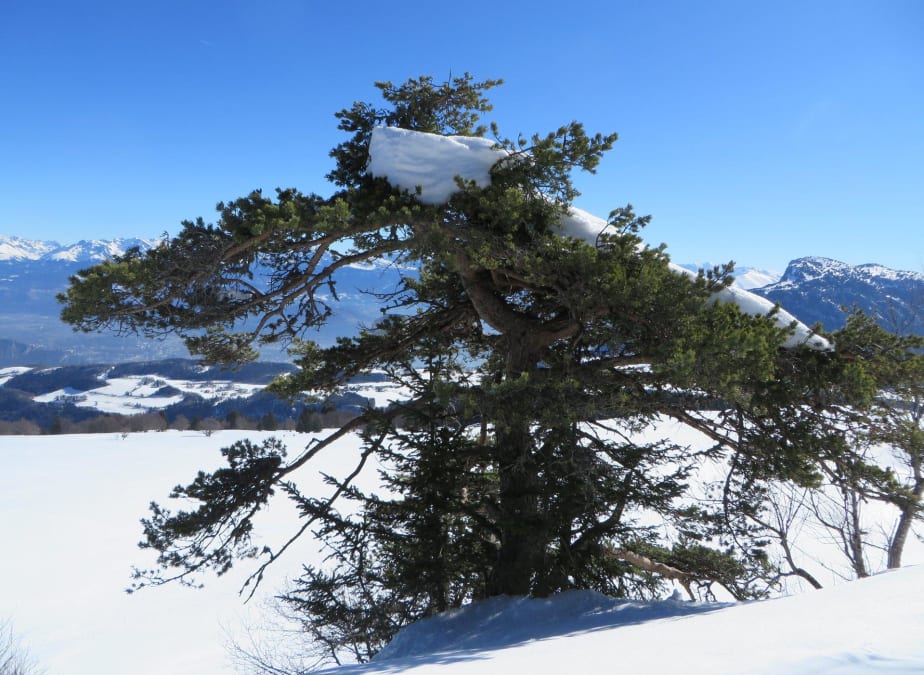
868 626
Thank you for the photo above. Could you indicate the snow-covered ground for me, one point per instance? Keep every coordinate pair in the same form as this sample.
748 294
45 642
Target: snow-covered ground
69 512
69 525
868 626
382 394
6 374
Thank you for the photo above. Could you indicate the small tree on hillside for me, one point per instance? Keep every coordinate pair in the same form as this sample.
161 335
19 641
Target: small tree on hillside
850 439
522 476
309 421
268 422
887 462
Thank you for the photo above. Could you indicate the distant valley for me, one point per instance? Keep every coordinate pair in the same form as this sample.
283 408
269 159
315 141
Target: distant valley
172 393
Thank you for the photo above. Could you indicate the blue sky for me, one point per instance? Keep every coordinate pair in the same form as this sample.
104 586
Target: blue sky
752 131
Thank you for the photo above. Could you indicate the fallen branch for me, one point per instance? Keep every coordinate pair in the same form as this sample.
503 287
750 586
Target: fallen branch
649 565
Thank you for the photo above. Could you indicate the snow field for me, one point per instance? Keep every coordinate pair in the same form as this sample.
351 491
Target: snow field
69 518
869 626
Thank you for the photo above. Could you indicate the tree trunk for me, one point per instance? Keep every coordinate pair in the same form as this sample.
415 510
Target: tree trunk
854 535
522 539
524 532
909 513
897 543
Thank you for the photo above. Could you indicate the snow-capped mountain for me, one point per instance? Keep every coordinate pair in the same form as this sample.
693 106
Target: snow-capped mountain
746 278
17 248
85 250
95 251
817 289
32 273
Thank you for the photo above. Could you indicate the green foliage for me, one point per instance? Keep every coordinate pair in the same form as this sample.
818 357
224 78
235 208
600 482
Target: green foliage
889 370
420 547
218 531
453 107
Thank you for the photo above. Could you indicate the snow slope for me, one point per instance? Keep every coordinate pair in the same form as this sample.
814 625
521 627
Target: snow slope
6 374
868 626
428 164
745 277
142 393
750 277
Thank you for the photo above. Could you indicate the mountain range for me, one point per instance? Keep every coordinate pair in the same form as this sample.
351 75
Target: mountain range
85 251
32 273
818 289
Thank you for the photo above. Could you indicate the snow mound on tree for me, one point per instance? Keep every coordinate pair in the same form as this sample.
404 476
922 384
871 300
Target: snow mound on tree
427 166
412 160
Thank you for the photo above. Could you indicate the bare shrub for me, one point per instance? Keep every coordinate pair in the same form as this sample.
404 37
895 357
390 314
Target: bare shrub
14 658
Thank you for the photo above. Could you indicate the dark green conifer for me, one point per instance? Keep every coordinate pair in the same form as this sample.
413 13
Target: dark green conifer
512 469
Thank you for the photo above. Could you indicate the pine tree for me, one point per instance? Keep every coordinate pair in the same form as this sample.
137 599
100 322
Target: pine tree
417 549
515 474
309 421
268 422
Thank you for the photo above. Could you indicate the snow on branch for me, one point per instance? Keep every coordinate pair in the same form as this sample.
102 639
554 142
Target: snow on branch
427 165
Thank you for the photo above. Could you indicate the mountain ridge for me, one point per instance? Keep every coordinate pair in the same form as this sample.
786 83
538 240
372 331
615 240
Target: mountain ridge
819 290
14 248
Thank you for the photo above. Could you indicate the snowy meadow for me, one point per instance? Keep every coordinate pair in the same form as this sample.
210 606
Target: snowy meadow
69 519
